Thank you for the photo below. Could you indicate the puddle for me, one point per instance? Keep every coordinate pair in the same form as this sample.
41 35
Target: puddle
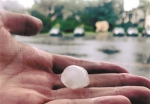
109 50
148 61
74 54
143 58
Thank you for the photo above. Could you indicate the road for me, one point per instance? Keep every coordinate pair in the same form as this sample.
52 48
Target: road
133 53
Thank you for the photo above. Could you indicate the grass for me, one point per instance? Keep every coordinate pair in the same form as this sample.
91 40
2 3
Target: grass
44 34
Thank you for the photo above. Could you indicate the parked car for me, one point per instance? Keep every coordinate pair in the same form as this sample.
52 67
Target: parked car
132 31
55 32
118 31
79 32
146 32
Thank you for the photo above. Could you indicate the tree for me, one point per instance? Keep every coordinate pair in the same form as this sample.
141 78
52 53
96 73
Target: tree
99 13
69 13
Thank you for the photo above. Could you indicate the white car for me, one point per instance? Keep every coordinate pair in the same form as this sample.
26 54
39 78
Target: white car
118 31
79 31
55 32
131 31
146 32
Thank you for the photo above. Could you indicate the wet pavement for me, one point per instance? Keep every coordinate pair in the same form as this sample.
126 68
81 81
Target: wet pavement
131 52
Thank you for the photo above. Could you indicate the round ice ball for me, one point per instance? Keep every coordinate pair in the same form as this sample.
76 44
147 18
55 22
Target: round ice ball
75 77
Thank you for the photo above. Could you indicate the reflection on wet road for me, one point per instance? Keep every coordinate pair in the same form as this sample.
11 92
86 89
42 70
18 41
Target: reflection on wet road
131 52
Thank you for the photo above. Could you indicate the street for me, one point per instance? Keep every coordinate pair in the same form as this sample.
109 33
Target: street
133 53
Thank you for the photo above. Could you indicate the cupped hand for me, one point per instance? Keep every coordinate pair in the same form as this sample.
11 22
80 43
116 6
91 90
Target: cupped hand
32 76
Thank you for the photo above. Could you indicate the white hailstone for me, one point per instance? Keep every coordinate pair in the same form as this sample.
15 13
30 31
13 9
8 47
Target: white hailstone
75 77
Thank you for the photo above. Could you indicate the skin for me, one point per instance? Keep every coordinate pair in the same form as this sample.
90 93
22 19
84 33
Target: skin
32 76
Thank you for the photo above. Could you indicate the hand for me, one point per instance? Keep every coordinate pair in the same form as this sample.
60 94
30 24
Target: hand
32 76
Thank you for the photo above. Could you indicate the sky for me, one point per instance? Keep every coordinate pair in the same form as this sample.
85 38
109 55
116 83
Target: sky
129 4
26 3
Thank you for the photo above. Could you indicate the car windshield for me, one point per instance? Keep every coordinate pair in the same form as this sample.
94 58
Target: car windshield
112 30
54 30
118 30
79 29
133 29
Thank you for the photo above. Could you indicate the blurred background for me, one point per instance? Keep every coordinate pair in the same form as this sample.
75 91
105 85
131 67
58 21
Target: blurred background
116 31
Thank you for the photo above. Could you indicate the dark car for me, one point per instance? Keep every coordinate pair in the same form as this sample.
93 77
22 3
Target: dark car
79 32
118 31
146 32
132 31
55 32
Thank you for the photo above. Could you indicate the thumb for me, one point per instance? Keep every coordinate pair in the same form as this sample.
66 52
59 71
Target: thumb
20 24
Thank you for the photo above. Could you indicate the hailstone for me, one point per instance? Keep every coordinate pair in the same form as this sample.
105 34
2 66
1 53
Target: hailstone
75 77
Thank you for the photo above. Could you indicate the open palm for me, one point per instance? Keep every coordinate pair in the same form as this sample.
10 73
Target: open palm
32 76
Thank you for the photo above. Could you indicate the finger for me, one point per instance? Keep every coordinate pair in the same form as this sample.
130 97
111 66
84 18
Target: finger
98 100
20 24
111 80
137 95
61 62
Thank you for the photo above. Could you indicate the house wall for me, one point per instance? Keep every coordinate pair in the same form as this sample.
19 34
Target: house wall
147 19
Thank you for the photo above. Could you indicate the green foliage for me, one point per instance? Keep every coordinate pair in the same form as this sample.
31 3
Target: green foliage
99 13
57 25
88 28
69 25
140 29
46 21
127 25
89 13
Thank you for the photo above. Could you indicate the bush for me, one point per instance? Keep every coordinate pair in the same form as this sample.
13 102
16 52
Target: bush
88 28
69 25
140 29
